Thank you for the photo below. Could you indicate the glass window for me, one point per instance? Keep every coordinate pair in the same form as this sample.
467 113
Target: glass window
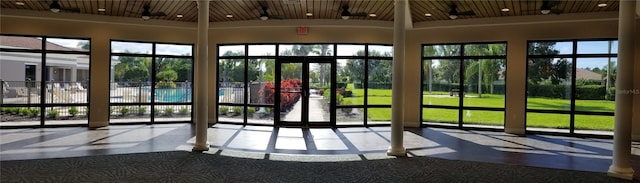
441 50
131 47
61 44
550 48
262 50
231 50
174 49
21 42
350 50
306 50
380 51
485 49
597 47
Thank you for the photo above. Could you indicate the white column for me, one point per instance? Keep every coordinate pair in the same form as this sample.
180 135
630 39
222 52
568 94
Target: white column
50 74
621 165
397 122
74 74
201 80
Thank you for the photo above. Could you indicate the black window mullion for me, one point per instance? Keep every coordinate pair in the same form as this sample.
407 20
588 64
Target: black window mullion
461 87
43 56
574 65
366 84
246 85
152 83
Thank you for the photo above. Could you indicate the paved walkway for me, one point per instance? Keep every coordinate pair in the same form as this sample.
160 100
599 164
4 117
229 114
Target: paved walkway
315 110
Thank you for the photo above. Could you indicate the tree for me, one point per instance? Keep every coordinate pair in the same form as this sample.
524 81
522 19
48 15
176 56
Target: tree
552 69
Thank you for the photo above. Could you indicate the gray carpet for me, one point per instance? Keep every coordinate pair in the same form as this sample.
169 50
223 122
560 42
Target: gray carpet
181 166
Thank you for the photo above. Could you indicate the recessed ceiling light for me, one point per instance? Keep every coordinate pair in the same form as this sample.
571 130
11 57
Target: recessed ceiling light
309 14
505 10
19 3
427 14
101 9
179 15
229 16
372 15
602 5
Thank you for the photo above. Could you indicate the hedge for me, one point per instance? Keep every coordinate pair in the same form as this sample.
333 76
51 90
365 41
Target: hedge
583 92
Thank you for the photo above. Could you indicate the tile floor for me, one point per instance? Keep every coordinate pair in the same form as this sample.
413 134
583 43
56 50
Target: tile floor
353 143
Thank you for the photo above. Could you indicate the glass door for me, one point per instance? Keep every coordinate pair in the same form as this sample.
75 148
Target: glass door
304 86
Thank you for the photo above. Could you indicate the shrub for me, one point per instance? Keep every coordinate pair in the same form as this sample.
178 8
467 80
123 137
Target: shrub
590 92
52 114
223 110
124 110
611 94
73 111
251 110
141 110
237 110
86 111
168 111
14 110
166 84
110 110
35 112
24 111
156 111
183 111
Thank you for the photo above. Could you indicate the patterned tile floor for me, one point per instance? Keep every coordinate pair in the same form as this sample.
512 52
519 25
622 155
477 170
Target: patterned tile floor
587 154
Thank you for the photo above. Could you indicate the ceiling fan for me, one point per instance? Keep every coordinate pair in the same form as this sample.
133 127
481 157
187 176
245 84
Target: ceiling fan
146 14
547 6
55 7
264 15
346 14
453 13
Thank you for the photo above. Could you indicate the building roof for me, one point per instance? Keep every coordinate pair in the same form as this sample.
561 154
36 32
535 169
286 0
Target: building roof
32 43
589 75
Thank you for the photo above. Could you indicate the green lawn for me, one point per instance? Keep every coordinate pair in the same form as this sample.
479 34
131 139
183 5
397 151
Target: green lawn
587 122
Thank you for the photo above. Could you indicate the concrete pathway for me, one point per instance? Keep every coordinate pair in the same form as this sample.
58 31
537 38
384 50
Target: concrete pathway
315 110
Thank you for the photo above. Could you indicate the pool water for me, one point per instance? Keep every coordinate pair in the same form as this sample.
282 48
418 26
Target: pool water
173 95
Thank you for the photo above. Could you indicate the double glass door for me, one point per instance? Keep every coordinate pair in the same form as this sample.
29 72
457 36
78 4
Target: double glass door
304 90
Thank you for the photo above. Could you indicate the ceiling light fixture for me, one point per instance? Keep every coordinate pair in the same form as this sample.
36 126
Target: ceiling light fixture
372 15
102 9
179 15
229 16
19 3
505 10
54 7
428 14
602 5
309 14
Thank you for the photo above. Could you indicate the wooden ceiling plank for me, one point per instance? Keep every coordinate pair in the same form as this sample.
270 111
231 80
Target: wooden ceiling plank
388 7
315 9
511 4
444 7
418 9
222 5
161 6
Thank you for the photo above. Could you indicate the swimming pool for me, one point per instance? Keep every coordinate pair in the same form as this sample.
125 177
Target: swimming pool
173 95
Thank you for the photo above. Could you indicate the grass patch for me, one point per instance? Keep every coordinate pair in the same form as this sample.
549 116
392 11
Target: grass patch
584 122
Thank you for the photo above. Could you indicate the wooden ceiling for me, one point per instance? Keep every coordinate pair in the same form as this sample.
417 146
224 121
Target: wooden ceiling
321 9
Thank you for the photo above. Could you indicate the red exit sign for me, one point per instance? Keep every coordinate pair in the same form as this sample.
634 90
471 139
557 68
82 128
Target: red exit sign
302 30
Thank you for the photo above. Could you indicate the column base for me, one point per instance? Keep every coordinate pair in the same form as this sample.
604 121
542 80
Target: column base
515 131
200 147
400 152
622 173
